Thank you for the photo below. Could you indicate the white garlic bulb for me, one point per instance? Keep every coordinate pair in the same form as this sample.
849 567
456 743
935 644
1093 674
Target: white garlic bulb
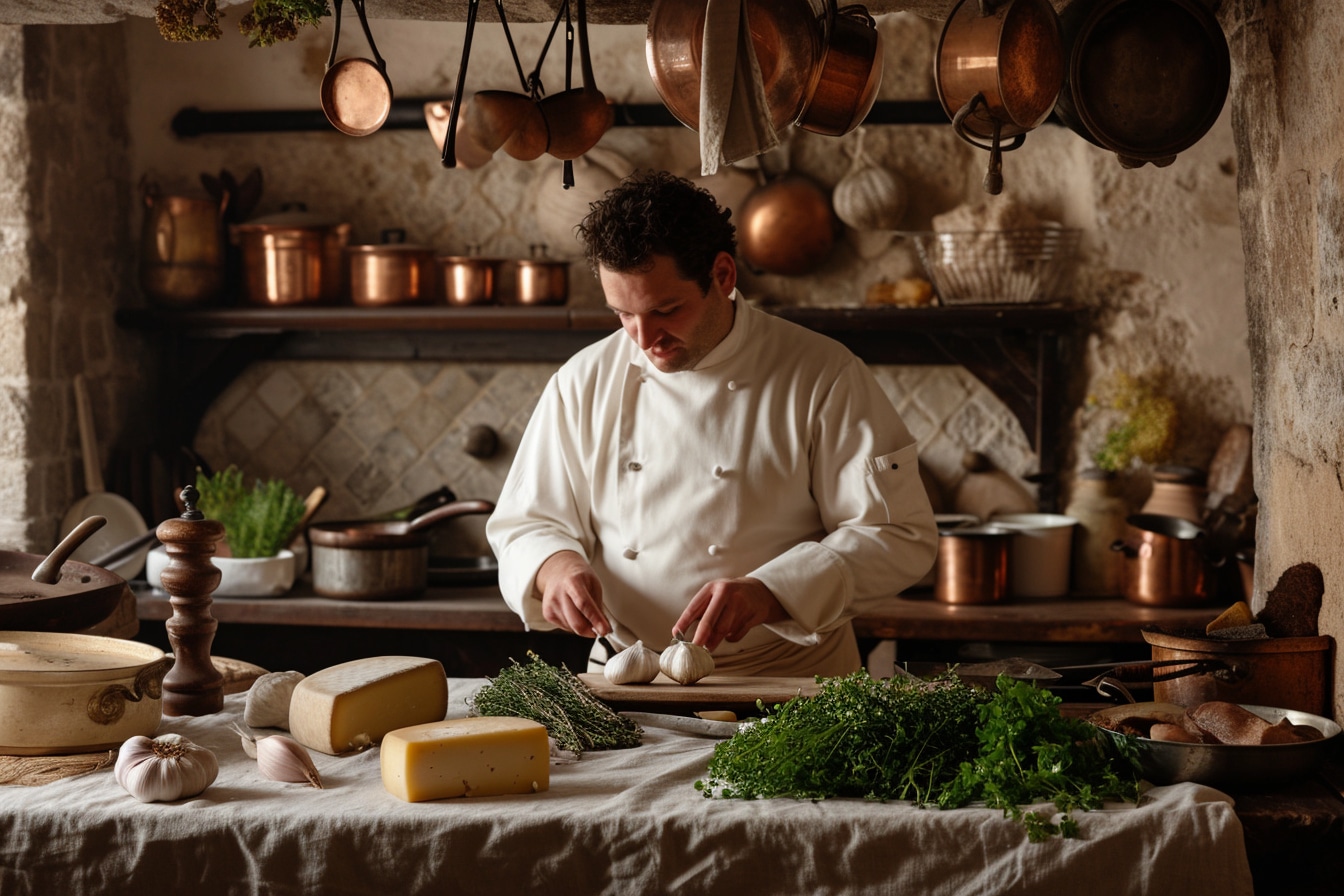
164 769
869 197
635 664
268 700
685 662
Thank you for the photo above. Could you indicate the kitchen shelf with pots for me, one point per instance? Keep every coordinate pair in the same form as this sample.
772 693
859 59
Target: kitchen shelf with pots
1016 350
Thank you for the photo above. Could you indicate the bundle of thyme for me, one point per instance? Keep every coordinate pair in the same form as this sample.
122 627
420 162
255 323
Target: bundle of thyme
556 698
936 743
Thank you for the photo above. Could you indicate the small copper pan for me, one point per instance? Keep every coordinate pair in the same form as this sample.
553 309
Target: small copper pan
356 92
999 70
845 80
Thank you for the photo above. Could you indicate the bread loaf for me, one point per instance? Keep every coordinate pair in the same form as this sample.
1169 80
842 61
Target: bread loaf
1228 723
1169 731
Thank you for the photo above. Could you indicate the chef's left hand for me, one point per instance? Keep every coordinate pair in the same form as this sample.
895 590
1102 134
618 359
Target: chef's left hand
727 609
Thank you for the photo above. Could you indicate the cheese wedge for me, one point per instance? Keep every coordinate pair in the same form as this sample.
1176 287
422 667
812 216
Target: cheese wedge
352 705
485 756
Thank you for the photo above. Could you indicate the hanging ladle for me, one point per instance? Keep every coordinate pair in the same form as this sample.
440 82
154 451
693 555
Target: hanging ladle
356 92
578 117
504 119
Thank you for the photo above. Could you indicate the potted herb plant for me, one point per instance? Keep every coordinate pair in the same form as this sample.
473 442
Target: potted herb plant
259 524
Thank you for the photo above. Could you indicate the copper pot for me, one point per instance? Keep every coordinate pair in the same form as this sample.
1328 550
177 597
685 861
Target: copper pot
290 258
999 70
541 280
788 226
469 279
1145 79
972 565
1169 561
392 272
1293 673
182 249
844 82
784 34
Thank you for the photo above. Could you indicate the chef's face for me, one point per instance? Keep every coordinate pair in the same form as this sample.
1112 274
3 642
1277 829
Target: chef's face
671 319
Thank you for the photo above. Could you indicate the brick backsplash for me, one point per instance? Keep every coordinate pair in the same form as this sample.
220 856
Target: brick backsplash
378 435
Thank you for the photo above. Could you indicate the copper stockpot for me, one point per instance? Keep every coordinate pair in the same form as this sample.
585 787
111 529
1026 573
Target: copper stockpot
541 280
469 279
1293 673
392 272
293 257
972 565
182 249
1169 561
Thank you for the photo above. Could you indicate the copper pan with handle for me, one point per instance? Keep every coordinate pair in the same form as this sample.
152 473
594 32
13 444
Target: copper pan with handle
999 70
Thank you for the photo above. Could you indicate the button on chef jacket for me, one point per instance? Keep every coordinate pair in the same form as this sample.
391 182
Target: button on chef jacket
777 457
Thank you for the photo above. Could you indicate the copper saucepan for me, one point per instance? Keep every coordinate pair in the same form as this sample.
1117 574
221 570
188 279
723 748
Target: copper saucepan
1169 561
844 82
999 70
356 92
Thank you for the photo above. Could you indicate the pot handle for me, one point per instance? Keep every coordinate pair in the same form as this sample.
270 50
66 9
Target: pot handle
993 182
450 139
1125 548
109 704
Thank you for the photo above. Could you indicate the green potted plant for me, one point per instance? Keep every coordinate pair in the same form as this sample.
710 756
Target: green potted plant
259 524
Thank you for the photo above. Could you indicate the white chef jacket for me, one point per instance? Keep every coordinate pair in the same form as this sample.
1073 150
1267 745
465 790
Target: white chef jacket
777 456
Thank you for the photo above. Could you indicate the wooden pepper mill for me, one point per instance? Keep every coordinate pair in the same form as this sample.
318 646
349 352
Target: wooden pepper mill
192 687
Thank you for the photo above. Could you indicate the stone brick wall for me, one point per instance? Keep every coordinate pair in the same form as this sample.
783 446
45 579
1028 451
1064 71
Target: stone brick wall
65 264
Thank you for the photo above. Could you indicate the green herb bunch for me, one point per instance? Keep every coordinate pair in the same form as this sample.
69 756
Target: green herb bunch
258 522
935 743
556 698
272 21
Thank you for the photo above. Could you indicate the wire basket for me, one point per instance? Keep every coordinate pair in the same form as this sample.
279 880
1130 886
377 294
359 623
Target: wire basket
998 266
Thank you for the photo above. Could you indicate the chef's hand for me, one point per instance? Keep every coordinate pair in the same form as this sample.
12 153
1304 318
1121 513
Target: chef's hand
571 595
727 609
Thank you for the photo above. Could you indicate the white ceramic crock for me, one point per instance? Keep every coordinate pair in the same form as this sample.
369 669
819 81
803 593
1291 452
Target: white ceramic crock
238 576
1040 552
65 693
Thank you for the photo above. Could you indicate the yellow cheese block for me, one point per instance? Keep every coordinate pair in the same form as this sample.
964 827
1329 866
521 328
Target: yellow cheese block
486 756
352 705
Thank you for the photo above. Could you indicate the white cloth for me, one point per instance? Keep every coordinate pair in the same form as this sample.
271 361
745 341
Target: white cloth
735 117
777 457
615 822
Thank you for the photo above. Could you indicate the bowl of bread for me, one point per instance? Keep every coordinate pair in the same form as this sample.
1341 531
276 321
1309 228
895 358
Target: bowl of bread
1221 743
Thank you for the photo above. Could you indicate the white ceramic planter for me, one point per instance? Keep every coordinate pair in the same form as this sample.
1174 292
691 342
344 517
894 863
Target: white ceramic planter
238 576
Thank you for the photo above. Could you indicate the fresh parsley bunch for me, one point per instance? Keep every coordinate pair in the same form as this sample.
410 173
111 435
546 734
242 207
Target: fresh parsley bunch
935 743
258 522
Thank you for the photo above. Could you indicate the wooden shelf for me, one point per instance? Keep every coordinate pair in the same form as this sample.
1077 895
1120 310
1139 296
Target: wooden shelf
1017 351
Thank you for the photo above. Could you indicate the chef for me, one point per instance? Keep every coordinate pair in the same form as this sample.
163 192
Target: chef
713 470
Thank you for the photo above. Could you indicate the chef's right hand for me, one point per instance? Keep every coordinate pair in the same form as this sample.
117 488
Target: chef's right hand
571 595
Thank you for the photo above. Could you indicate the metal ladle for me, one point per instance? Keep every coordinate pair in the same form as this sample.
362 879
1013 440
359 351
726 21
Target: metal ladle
356 92
578 117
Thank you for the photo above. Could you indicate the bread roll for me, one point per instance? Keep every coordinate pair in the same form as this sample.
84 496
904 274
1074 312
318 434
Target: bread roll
1168 731
1228 723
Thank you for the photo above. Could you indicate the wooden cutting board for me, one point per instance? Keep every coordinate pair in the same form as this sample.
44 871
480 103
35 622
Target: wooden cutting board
733 692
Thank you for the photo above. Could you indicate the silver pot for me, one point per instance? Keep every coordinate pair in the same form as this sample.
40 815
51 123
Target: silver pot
379 560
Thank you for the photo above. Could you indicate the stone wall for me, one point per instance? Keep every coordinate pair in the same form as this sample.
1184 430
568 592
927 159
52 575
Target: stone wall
1288 117
65 265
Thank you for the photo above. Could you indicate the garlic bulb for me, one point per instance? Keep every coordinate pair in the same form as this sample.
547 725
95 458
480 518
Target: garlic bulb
282 758
164 769
685 662
268 700
635 664
870 198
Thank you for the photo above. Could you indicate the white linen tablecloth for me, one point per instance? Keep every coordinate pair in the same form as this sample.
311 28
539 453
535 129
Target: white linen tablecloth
627 821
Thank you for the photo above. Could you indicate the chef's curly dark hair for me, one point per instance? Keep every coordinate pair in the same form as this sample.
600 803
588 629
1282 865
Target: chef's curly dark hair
656 213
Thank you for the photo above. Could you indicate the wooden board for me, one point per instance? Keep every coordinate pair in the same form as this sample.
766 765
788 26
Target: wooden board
732 692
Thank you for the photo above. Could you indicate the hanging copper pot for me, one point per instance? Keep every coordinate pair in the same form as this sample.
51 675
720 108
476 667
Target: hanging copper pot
999 70
845 80
1145 79
788 226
